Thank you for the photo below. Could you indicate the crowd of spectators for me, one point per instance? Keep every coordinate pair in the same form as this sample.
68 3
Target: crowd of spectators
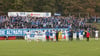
43 22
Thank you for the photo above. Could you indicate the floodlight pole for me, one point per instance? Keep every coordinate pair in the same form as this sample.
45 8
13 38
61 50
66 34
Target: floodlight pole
88 14
79 15
69 14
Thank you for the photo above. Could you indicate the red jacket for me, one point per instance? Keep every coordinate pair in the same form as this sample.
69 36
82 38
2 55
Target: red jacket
87 34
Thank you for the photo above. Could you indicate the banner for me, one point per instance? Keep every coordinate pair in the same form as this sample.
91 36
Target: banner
12 14
22 32
57 14
32 14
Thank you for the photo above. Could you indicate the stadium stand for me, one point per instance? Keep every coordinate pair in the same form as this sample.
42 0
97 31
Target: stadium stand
51 22
71 22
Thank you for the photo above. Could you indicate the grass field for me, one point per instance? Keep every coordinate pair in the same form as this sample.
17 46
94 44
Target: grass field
64 48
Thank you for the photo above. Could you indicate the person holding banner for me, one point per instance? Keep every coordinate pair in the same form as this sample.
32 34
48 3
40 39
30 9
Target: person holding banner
57 33
60 35
66 34
74 35
51 35
36 36
63 35
71 35
81 36
88 35
54 35
28 33
96 34
44 36
47 35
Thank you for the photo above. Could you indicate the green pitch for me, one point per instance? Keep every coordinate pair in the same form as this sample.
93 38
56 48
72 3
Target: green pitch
65 48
